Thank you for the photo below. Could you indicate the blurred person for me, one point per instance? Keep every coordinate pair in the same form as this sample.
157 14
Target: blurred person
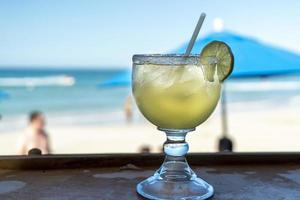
145 149
35 136
128 109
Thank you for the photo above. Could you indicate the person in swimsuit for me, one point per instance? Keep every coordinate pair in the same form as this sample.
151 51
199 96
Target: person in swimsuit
35 135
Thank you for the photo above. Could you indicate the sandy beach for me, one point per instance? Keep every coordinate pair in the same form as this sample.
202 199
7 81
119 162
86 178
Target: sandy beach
274 129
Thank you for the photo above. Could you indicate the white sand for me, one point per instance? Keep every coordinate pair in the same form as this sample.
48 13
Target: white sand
276 129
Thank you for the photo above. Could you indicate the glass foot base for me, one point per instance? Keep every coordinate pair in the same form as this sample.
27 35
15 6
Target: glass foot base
175 180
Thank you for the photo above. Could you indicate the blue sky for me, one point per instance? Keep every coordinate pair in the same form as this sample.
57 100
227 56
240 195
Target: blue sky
107 33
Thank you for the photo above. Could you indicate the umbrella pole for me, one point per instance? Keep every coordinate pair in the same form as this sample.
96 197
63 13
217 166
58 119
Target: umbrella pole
224 112
225 144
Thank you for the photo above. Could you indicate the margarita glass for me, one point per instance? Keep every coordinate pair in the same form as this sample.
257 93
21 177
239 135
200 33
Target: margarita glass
173 92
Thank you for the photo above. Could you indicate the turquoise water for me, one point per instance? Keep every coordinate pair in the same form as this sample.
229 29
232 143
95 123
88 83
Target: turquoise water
78 99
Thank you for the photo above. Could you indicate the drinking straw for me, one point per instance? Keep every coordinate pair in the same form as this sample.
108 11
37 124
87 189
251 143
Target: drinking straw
195 34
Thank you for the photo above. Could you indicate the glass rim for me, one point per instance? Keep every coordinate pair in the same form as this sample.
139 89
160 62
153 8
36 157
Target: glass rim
166 59
164 55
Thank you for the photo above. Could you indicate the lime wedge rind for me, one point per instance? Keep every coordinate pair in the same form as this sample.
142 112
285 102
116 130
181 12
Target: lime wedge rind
217 55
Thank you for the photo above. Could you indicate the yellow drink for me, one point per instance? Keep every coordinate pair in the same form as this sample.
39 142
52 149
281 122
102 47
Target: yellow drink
174 96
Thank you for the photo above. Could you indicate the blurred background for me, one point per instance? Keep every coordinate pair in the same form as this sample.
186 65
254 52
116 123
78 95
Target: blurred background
71 60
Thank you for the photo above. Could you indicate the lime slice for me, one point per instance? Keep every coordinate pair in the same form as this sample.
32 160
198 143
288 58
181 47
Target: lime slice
216 56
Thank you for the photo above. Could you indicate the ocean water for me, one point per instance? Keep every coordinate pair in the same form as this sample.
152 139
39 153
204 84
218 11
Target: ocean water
71 96
45 90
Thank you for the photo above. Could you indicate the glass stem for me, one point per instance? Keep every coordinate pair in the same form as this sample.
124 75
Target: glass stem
175 166
176 146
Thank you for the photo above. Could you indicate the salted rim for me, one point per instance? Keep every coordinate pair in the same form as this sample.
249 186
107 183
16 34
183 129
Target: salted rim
166 59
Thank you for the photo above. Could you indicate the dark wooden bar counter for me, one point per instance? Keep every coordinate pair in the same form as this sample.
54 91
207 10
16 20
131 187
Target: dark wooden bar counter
235 176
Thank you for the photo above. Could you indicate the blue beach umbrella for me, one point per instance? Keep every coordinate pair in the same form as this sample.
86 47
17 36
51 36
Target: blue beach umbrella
252 58
3 95
120 80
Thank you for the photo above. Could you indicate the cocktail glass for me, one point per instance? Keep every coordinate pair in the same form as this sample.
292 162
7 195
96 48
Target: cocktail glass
172 92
